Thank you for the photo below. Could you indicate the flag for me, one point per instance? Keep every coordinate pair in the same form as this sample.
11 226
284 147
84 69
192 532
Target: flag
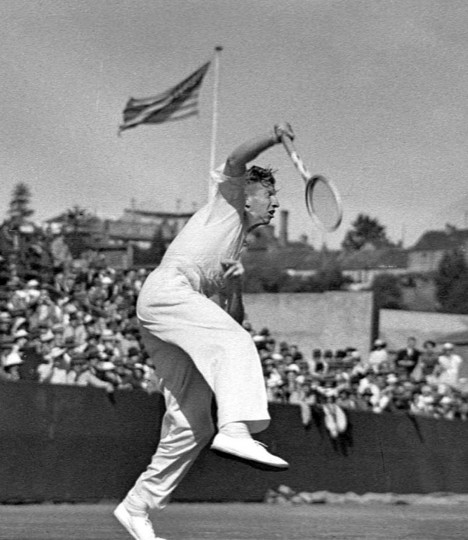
180 101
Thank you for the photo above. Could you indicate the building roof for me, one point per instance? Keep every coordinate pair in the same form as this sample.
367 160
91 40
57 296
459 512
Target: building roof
441 240
156 214
377 259
303 257
285 258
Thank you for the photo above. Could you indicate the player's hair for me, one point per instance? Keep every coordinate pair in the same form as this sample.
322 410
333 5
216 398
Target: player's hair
260 175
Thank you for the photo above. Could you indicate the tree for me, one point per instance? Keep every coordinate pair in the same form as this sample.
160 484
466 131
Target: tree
365 231
330 277
77 223
19 209
451 281
387 292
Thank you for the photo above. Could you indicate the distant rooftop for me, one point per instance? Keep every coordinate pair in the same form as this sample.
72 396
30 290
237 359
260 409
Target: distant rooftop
441 240
374 259
156 213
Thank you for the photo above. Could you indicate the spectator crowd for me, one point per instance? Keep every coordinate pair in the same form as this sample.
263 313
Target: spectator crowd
80 328
422 382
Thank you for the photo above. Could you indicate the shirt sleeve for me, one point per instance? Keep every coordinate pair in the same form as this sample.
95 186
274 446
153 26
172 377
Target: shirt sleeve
231 187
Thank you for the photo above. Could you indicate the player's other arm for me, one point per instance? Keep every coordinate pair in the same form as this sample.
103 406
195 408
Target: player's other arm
246 152
232 294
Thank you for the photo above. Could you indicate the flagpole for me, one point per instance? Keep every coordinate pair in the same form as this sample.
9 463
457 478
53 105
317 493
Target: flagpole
214 126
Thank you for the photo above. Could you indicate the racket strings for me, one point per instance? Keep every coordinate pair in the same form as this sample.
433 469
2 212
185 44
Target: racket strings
323 203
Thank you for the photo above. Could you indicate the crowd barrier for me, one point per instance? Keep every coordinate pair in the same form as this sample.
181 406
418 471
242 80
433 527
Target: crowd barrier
71 444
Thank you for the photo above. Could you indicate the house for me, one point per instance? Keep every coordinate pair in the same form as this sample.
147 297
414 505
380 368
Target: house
426 254
136 226
364 265
118 239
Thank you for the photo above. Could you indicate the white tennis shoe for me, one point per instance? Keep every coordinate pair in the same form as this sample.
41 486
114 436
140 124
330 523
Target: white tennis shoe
138 526
248 449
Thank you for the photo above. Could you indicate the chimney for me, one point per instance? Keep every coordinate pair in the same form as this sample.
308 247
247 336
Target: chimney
283 230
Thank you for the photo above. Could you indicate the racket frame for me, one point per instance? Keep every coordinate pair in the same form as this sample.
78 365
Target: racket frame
310 182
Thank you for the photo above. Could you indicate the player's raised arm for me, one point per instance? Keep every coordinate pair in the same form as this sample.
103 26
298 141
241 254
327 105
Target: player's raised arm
246 152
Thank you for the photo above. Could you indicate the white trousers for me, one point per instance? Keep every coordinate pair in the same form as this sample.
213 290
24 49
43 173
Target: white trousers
198 351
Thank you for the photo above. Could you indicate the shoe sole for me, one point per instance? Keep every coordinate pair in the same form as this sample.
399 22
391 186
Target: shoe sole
249 461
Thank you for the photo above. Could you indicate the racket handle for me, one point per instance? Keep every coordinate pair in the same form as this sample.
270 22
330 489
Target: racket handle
298 163
287 143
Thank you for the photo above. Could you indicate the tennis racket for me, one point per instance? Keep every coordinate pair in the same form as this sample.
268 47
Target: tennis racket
323 200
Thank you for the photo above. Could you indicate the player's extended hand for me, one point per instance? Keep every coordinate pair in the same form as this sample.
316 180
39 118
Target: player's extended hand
284 129
232 269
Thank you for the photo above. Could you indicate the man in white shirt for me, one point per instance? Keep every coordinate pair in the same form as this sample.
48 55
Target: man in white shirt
448 368
378 358
198 349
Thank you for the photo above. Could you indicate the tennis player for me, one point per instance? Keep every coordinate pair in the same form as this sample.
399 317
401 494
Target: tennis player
199 349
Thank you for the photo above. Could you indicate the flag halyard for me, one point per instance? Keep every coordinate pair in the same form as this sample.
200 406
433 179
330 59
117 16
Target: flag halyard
177 103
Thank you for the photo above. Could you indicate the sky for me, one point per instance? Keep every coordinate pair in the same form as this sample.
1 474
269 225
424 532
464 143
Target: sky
375 90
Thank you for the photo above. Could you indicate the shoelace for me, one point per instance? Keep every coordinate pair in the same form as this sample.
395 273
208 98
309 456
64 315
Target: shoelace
260 443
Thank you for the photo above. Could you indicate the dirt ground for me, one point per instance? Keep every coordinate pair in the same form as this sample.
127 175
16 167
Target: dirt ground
242 522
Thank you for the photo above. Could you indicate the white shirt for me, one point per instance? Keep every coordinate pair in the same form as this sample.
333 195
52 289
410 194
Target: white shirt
378 357
450 364
214 233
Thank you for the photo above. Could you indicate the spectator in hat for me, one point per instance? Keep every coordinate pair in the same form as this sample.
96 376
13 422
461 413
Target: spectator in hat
292 373
138 381
378 357
319 365
105 370
58 330
32 291
448 367
125 374
427 362
424 401
109 344
407 358
273 378
133 356
295 353
6 346
70 345
46 311
345 399
11 366
15 356
32 356
128 341
75 329
5 322
81 374
18 300
55 370
363 400
47 339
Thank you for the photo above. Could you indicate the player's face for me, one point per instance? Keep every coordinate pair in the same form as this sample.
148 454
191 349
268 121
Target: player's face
261 203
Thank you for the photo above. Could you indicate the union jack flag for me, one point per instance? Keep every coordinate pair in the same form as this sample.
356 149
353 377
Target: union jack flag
177 103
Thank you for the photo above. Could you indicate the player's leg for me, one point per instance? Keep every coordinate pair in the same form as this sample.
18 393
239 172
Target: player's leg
226 356
187 426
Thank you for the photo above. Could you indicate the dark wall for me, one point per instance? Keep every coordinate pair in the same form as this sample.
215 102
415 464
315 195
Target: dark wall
61 443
